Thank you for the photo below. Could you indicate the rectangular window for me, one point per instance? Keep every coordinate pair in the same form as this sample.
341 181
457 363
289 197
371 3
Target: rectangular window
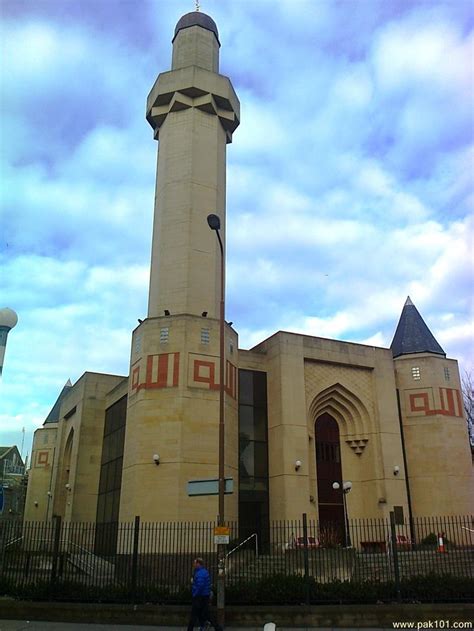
253 456
416 373
164 335
205 336
110 480
446 373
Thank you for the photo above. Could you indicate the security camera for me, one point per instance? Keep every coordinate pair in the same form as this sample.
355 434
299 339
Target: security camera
396 470
156 459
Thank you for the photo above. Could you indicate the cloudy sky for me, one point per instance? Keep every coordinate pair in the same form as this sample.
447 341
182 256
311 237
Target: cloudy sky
350 179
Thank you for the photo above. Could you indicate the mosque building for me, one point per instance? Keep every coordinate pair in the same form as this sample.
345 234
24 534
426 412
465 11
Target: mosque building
301 412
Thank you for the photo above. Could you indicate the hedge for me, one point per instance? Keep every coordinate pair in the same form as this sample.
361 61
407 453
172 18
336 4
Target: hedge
277 589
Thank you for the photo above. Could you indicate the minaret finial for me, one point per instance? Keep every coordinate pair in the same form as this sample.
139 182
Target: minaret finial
198 6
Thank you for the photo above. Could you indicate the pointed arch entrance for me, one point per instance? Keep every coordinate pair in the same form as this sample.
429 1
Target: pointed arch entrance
328 471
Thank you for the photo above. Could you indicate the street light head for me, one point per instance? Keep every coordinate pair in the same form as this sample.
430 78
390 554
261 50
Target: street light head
336 486
347 486
213 222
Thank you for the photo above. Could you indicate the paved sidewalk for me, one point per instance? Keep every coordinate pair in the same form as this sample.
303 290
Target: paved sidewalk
25 625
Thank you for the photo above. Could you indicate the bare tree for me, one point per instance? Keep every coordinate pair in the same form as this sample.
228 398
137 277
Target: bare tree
467 383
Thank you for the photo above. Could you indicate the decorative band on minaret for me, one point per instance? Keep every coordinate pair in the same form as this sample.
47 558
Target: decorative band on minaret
193 111
8 319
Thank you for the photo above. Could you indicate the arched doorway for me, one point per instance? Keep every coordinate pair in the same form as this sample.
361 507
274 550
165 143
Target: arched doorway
328 471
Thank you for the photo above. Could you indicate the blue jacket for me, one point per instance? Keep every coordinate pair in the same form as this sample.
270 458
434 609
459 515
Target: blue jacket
201 582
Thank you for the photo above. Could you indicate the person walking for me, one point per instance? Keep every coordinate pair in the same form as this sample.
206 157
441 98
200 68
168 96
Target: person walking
201 593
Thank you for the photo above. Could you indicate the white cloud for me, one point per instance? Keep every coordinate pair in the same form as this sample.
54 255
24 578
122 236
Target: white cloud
349 183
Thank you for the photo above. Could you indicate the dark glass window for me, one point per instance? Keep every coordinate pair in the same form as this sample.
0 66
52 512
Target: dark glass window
246 387
110 481
112 459
253 455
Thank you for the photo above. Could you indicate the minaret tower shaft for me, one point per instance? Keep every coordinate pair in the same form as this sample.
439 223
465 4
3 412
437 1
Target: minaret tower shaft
193 111
175 375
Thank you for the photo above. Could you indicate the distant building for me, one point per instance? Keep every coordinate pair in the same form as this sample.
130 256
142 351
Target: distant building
12 483
301 412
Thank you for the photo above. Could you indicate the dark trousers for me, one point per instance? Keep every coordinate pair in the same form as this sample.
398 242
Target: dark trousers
200 613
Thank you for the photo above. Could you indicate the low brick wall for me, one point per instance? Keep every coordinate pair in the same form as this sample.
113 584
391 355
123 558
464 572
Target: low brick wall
336 616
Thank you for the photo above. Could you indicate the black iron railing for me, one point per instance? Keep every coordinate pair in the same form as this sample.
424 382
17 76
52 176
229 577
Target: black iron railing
153 561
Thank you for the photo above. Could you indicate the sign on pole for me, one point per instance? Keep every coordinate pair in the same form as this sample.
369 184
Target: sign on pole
221 535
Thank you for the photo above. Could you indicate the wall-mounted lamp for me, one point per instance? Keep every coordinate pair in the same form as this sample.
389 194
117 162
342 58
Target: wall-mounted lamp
297 465
311 498
156 459
68 486
35 503
49 494
396 470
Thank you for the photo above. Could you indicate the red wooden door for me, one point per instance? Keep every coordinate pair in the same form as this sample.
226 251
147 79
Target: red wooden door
328 471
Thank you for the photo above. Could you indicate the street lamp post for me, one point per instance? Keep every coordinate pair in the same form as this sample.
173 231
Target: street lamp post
346 487
215 224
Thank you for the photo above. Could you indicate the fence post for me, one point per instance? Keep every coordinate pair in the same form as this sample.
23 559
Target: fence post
306 559
393 544
136 535
56 543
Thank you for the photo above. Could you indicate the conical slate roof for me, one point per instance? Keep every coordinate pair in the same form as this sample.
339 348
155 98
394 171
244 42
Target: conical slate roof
53 416
413 335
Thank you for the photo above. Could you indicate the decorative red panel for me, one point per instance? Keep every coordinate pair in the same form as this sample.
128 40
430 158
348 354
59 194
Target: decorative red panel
162 371
450 403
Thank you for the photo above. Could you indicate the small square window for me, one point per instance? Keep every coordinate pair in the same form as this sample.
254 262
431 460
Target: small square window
205 336
164 335
446 373
416 373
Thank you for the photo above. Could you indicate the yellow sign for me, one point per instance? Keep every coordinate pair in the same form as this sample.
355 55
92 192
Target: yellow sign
222 530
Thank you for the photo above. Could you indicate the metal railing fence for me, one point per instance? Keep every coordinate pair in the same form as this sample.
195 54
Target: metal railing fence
141 560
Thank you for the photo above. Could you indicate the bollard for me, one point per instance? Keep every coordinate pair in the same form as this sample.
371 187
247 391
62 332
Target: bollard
441 547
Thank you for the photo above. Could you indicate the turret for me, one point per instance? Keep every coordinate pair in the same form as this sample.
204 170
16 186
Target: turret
437 453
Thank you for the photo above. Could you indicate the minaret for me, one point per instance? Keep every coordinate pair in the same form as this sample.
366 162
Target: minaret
193 111
8 319
433 420
172 414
